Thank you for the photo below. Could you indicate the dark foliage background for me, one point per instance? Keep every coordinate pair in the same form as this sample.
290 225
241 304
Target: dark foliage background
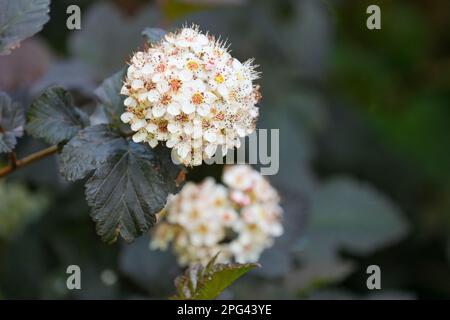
364 124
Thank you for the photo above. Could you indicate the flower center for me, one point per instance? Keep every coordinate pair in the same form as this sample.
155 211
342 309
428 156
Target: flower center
162 126
175 84
150 85
182 117
197 98
203 229
220 116
161 67
219 78
192 65
166 99
219 202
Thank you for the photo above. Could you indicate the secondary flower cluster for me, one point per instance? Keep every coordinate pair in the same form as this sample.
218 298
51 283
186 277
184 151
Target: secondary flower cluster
240 219
191 93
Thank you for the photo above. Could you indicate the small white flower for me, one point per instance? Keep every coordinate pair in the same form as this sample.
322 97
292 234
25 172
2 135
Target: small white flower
238 177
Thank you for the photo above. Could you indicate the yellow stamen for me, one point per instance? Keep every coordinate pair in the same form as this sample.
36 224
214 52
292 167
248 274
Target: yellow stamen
219 78
192 65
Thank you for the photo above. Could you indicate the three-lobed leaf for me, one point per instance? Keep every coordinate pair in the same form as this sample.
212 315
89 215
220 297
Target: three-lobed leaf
207 283
12 121
127 191
53 116
20 19
88 149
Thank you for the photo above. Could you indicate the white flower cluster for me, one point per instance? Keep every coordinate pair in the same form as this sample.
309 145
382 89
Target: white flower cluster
240 219
191 93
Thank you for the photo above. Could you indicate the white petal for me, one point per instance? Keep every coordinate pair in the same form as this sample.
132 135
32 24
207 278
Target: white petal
126 117
147 69
240 131
162 86
170 38
203 110
198 132
171 143
151 127
209 97
188 129
173 109
183 150
237 65
139 137
202 39
142 96
183 43
130 102
210 135
176 62
185 75
158 111
210 150
223 90
137 84
153 96
138 124
188 108
198 160
130 71
198 85
173 127
157 77
197 143
153 143
124 90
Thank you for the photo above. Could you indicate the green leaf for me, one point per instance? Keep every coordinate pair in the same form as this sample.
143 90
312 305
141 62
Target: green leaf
153 35
207 283
20 19
12 120
54 118
110 98
88 149
128 190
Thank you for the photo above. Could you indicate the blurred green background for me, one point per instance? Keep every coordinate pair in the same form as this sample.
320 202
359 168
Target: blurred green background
365 149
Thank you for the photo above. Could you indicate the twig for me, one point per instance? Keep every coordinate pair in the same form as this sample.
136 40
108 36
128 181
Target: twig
17 164
13 159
